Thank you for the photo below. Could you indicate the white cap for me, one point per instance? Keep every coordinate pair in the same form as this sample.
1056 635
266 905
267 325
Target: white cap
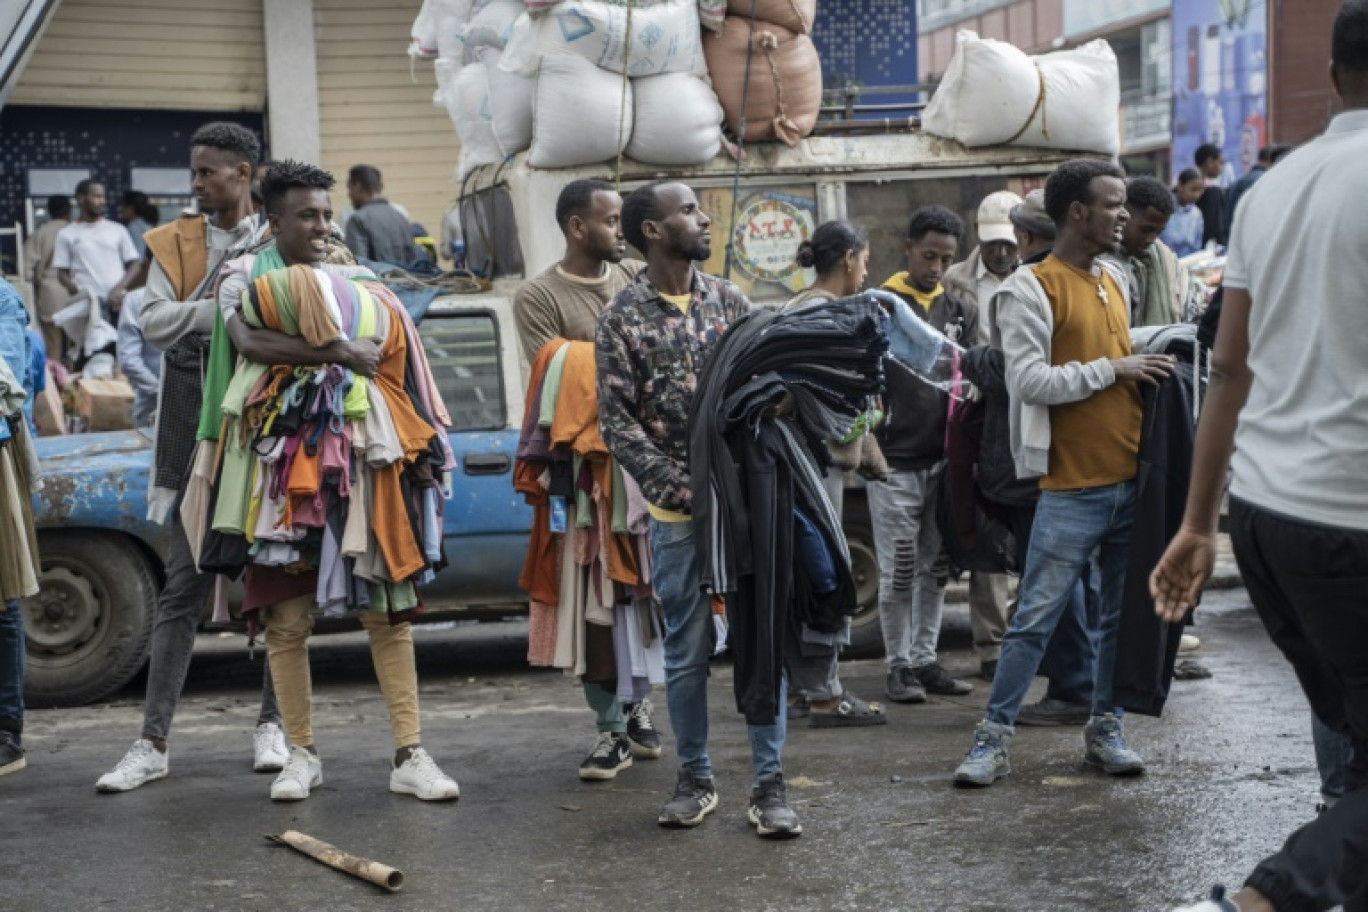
994 217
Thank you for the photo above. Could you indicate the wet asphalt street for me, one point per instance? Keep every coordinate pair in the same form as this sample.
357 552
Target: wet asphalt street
1231 772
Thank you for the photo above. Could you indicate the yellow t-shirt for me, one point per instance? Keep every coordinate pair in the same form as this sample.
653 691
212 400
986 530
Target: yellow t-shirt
898 283
1093 442
681 301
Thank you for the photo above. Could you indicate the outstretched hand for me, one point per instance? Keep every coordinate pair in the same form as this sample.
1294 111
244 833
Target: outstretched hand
1177 580
363 356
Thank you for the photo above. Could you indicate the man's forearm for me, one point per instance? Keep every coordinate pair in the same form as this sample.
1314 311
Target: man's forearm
266 346
64 276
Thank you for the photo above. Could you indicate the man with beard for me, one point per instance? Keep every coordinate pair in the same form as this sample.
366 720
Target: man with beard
1075 425
650 347
566 302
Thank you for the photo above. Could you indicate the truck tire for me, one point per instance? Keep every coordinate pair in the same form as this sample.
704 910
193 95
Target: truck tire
866 635
89 628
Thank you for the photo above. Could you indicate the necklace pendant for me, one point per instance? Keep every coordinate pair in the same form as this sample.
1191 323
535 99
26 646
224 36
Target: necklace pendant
1102 294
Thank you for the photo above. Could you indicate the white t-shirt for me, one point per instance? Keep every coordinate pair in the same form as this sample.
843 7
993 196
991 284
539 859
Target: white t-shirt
1300 248
97 253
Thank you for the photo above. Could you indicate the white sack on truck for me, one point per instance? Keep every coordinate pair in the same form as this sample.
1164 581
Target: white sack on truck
665 37
435 17
510 104
464 91
578 117
794 15
785 79
491 26
994 94
677 120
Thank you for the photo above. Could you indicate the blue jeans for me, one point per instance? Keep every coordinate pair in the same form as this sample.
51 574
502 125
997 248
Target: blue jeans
689 641
12 670
1070 661
1069 526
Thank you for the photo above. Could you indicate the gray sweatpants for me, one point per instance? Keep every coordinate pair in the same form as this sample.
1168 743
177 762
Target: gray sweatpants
908 542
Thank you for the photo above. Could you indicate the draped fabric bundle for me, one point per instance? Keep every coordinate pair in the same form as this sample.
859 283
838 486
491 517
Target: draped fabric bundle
588 560
20 479
767 536
313 479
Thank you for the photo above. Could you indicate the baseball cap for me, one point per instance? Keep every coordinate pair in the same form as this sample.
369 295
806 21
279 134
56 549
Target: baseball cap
994 217
1031 215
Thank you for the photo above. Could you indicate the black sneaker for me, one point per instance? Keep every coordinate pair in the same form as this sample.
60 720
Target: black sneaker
798 708
611 755
938 681
903 686
769 812
11 754
693 800
641 732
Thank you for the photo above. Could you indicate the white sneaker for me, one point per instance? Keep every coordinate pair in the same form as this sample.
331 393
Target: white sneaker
1188 643
302 772
270 752
142 764
420 776
1218 902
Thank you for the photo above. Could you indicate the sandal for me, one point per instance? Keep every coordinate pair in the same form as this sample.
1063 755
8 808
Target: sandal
851 712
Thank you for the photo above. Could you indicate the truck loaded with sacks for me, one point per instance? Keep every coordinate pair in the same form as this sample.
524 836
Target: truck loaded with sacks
633 91
726 96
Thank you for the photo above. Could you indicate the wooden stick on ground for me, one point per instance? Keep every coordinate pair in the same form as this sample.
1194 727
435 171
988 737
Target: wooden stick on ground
379 874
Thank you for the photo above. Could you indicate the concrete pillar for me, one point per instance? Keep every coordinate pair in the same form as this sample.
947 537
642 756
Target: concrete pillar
291 80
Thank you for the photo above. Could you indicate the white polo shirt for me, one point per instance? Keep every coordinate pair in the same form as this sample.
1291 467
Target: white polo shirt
1300 248
97 253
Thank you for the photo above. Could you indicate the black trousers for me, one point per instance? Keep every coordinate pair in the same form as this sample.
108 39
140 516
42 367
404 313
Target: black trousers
1309 584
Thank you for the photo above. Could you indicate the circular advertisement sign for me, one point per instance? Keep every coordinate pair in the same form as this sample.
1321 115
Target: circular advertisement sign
768 232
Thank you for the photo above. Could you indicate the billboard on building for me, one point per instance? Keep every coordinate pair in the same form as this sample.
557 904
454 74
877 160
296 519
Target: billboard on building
1083 17
868 43
1220 79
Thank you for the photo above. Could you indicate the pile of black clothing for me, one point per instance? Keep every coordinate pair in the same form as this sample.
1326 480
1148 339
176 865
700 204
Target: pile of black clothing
768 538
1146 647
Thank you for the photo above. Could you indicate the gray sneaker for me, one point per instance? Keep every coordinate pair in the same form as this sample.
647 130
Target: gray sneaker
1051 711
1107 748
986 762
903 686
769 812
693 800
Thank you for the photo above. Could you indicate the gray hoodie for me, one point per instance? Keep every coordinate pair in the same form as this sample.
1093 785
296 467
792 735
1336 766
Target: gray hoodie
1024 330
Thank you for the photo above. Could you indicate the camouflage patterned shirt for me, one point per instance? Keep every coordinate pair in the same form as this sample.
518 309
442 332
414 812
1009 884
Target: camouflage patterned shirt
648 356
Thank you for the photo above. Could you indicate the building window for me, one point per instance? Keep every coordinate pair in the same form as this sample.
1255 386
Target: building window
934 14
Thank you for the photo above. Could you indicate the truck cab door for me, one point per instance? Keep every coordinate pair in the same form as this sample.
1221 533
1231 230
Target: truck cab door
473 352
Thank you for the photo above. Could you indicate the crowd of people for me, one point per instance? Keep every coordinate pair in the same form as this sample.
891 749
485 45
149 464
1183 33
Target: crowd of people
1061 320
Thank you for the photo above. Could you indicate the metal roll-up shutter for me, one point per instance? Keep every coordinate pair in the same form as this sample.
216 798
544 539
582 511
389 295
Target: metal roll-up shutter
187 55
373 109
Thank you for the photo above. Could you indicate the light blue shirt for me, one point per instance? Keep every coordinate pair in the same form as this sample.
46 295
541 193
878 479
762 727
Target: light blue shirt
1184 231
139 360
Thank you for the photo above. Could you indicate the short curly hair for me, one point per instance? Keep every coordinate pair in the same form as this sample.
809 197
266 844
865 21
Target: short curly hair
232 138
1145 192
935 218
642 205
1071 183
289 175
